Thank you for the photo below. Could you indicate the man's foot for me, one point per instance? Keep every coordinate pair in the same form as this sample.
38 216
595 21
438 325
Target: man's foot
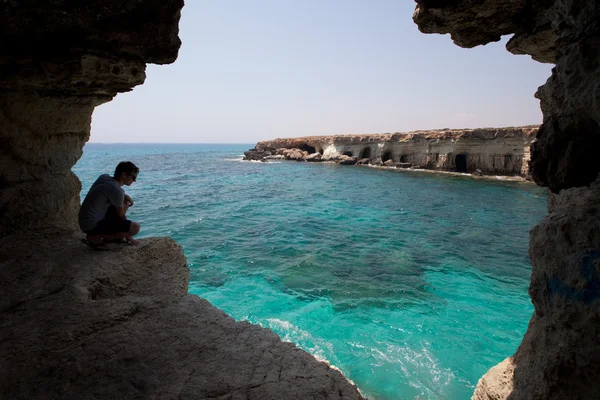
132 241
96 246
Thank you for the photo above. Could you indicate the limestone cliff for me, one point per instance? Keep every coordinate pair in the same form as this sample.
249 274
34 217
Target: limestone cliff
79 324
490 150
557 359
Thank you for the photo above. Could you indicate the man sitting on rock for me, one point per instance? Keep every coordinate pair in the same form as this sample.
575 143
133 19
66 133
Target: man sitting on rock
102 214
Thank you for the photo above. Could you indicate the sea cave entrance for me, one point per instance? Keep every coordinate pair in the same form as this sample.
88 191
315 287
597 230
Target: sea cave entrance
365 153
348 153
461 162
404 158
509 163
387 155
307 148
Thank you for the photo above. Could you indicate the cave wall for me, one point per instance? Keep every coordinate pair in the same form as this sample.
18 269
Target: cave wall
558 356
57 63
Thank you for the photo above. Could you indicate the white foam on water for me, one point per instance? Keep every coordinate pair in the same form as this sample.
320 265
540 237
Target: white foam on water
251 161
301 337
419 366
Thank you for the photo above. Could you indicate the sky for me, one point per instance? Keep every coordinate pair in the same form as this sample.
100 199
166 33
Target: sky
251 70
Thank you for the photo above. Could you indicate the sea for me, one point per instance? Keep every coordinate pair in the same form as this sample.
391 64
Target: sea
412 284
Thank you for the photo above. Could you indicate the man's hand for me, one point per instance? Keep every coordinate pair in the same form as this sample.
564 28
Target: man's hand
128 200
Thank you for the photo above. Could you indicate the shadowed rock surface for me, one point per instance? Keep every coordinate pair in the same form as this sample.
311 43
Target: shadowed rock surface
80 324
559 353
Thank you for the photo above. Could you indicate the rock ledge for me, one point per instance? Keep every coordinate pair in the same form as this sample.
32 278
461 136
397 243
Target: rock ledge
80 324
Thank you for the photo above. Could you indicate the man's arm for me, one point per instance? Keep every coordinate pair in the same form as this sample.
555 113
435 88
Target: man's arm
120 212
128 200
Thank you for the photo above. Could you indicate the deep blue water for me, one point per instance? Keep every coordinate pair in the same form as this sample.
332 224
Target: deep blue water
413 284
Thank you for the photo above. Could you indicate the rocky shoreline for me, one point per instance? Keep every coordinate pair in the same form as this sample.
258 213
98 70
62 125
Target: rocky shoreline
81 324
479 152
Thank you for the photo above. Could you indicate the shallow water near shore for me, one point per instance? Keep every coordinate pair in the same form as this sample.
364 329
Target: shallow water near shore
413 285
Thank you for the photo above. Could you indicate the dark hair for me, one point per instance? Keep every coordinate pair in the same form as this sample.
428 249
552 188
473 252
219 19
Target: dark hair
125 167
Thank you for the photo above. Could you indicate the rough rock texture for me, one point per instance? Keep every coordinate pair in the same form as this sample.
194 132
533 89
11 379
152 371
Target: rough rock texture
491 150
470 22
57 62
80 324
497 383
559 353
475 22
41 139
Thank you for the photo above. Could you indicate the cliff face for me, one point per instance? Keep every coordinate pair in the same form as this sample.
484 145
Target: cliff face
557 359
79 324
498 151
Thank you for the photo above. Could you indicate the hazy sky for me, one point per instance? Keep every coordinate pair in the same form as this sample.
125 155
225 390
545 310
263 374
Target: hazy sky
252 70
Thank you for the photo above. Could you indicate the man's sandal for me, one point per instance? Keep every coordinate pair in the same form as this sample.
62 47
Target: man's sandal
95 246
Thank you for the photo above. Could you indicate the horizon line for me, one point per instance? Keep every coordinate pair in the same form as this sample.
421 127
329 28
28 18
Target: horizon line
166 143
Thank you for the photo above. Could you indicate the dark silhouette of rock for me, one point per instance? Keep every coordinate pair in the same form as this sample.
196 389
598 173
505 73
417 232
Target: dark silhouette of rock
120 324
80 324
403 165
558 356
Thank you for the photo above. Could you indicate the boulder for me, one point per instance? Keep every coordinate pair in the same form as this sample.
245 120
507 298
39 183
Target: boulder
347 160
389 163
256 154
295 154
314 157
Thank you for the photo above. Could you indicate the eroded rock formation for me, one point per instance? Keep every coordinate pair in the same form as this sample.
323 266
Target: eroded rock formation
557 357
489 150
57 63
79 324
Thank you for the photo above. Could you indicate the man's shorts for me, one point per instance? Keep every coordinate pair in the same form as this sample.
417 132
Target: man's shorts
111 223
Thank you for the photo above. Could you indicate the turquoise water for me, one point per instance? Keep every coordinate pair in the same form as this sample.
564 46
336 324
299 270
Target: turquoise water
413 284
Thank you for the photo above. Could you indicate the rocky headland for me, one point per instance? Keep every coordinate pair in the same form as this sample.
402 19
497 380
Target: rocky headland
498 151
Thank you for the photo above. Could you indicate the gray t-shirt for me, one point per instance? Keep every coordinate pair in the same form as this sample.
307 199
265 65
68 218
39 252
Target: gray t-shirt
105 192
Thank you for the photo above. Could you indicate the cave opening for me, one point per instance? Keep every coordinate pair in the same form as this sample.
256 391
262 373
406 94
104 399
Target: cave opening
461 162
508 162
307 148
320 150
404 158
387 155
348 153
365 153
